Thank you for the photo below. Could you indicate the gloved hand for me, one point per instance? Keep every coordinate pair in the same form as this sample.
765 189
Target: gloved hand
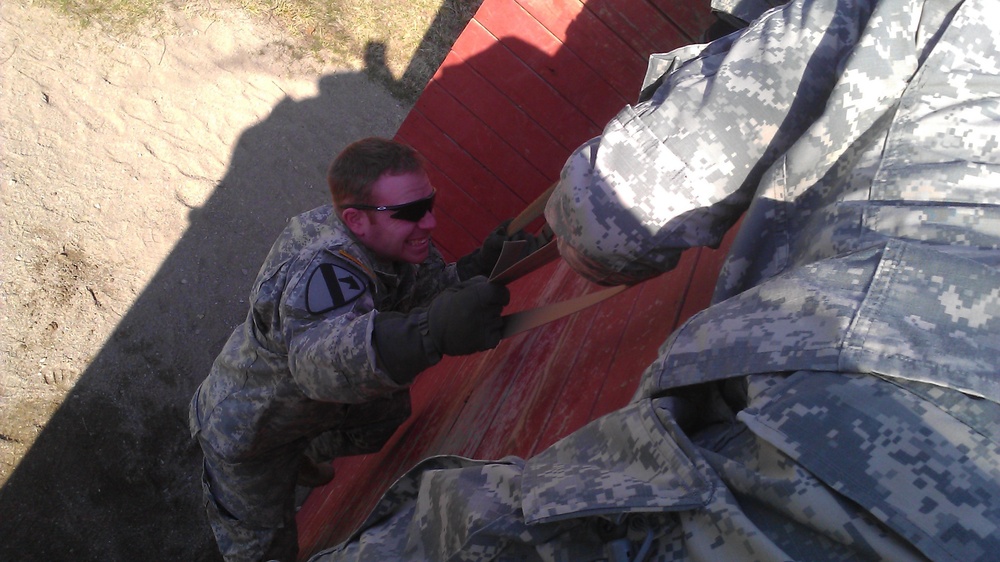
482 260
463 319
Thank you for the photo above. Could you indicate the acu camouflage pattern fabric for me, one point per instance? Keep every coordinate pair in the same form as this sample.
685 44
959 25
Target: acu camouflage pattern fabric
839 399
300 377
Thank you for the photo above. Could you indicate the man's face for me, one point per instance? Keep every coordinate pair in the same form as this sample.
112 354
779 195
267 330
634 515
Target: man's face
392 238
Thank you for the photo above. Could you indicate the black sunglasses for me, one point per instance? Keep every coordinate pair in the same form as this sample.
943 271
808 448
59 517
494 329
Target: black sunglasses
412 211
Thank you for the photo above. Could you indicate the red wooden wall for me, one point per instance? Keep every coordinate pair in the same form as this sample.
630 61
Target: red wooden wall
526 83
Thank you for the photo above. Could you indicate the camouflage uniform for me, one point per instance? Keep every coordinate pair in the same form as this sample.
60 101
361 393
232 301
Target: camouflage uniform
300 376
839 399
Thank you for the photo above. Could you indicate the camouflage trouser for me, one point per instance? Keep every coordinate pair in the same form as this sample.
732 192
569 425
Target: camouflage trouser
251 503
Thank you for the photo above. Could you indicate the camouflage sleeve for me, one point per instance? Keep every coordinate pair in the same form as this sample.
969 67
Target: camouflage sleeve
328 316
433 276
677 169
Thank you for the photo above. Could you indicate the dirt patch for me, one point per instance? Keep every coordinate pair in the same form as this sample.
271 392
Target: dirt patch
142 183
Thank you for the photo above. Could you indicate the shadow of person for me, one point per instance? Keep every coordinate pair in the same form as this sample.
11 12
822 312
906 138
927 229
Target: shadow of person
115 475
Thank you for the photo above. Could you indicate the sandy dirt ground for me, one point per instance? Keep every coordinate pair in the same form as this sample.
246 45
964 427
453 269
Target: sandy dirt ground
142 182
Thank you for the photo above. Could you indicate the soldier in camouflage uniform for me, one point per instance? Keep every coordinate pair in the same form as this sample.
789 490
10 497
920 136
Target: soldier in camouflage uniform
352 303
839 399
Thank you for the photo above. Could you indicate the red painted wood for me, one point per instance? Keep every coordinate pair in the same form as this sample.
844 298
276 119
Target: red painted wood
592 41
487 399
657 307
331 512
481 143
451 237
589 92
501 115
525 399
454 201
556 16
341 497
539 99
591 367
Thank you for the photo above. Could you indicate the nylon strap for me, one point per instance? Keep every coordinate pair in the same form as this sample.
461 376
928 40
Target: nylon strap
506 272
532 211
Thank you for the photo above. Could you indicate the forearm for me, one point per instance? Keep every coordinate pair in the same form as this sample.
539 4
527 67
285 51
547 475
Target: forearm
335 361
463 319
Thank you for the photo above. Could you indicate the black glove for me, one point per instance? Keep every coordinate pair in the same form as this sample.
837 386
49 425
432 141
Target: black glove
463 319
466 318
482 260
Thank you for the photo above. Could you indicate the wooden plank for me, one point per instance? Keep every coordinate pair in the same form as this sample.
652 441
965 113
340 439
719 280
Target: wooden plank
482 406
641 25
571 409
444 395
537 98
592 41
452 199
450 235
656 313
589 92
481 143
458 435
500 114
362 480
526 399
466 174
441 394
565 384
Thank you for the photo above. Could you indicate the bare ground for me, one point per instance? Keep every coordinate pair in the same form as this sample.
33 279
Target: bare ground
142 182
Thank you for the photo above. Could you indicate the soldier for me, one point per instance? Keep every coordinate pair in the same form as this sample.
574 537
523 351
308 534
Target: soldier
352 303
839 399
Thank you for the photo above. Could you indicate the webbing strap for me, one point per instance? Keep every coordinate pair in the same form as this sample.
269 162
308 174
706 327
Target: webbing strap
505 272
532 211
527 319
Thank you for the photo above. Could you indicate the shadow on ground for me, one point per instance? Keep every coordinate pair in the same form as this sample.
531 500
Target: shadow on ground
114 475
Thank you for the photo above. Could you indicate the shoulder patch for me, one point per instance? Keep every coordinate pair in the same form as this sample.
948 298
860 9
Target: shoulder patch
332 286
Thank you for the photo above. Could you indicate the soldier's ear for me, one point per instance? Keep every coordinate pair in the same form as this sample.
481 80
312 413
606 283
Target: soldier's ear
357 221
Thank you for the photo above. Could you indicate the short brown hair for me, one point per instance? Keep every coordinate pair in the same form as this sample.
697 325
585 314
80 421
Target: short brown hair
363 162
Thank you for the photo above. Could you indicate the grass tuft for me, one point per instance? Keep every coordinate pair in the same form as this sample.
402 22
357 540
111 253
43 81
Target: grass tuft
400 44
120 17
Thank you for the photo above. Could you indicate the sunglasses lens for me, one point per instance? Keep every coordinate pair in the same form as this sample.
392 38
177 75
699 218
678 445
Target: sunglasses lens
415 211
